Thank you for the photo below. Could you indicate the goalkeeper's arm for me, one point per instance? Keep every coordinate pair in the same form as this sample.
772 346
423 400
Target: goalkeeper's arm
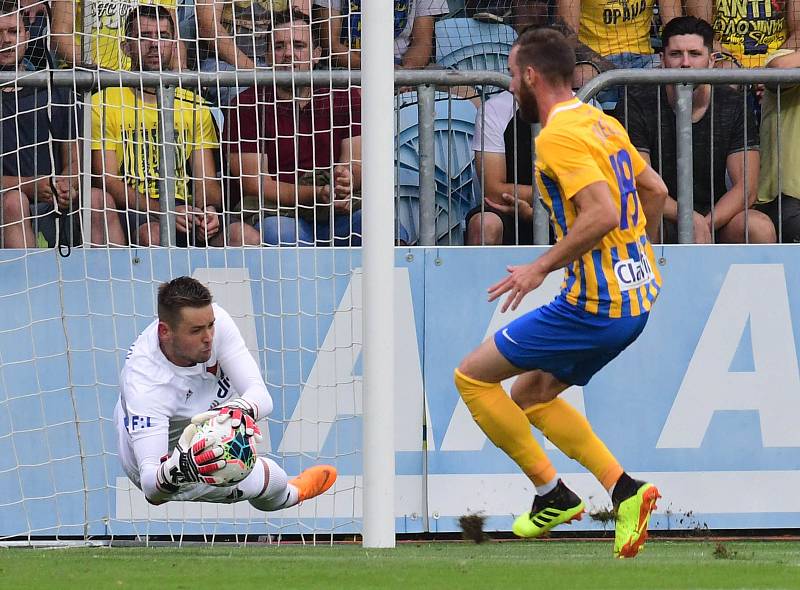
239 365
148 451
162 476
255 401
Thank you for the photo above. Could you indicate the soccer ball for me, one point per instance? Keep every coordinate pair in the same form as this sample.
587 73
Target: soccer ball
239 450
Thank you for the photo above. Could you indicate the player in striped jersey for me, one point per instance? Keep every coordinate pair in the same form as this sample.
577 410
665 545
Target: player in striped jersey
603 201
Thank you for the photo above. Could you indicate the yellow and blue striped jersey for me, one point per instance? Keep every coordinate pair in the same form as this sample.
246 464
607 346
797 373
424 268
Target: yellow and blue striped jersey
580 145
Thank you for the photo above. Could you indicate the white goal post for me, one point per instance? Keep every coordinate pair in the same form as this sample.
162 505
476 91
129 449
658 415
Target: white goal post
379 341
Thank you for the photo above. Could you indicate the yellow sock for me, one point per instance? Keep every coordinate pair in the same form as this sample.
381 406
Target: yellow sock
571 432
506 426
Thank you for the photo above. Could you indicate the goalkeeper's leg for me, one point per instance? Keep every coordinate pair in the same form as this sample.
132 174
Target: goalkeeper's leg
268 487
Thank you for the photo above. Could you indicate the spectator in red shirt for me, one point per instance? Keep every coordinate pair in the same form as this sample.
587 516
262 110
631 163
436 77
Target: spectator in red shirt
299 150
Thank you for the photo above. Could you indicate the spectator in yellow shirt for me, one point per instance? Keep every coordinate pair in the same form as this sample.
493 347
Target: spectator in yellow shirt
127 144
617 30
750 30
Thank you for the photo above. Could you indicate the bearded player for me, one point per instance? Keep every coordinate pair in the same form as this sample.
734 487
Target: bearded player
603 201
186 367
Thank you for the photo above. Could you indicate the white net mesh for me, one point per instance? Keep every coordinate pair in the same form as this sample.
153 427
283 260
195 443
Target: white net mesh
62 349
290 174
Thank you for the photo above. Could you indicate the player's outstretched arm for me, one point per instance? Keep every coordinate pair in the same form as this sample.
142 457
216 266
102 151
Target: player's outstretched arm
653 195
163 475
596 216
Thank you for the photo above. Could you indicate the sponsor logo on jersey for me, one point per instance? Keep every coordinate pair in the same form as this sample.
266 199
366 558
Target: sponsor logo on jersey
223 389
632 274
627 11
223 385
134 423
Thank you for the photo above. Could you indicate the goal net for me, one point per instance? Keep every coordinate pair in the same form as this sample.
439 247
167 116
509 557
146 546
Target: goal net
263 190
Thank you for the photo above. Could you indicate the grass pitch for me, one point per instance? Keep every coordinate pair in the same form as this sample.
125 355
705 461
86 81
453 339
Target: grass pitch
412 566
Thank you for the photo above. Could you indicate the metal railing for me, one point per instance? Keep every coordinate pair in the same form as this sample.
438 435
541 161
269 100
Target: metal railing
425 82
685 80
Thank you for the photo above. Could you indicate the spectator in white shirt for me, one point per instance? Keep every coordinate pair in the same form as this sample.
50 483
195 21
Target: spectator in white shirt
413 31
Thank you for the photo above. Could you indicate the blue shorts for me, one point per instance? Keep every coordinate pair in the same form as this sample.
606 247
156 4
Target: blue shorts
568 342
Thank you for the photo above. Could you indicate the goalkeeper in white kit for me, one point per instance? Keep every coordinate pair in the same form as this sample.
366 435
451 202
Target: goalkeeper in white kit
188 366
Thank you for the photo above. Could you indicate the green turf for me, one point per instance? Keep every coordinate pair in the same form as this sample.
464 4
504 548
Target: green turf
436 566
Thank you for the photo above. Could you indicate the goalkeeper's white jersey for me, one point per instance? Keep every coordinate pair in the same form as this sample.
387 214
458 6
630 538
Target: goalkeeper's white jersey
158 399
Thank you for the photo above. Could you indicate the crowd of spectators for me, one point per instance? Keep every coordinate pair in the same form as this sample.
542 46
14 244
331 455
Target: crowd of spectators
285 162
737 163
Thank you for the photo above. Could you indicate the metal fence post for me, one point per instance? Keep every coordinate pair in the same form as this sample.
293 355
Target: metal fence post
83 81
683 125
166 163
85 166
427 183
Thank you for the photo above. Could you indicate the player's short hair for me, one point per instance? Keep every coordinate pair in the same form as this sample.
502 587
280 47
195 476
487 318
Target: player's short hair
548 52
157 12
179 293
688 25
286 17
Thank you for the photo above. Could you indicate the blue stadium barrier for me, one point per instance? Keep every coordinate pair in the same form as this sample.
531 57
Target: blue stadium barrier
454 126
467 44
708 394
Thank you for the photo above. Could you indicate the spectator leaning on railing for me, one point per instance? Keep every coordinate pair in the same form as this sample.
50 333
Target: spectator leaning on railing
413 31
127 144
297 152
39 160
786 182
718 146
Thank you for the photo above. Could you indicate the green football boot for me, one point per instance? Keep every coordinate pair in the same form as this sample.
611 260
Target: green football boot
633 516
559 506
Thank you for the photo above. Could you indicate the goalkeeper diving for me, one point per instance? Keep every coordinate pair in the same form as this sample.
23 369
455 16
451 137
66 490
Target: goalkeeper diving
190 366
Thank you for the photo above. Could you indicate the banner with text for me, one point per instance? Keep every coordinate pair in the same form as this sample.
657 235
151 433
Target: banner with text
704 403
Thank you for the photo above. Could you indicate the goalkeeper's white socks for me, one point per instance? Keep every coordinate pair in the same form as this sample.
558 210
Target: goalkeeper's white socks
276 495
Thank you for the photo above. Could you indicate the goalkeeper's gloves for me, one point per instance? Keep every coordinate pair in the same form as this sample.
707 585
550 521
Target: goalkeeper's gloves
238 411
190 463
